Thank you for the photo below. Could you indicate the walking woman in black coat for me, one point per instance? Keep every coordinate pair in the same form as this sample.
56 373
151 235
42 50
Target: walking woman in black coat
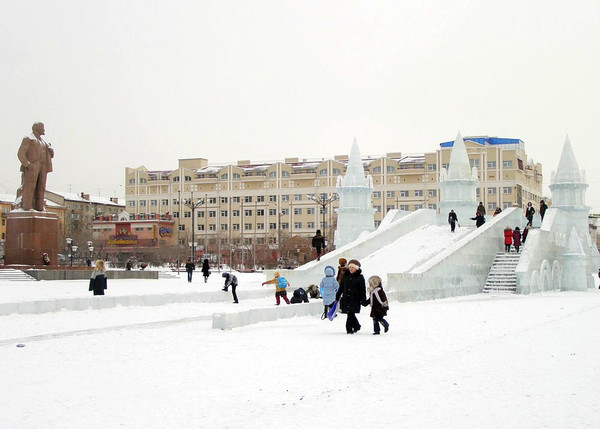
205 270
98 279
352 292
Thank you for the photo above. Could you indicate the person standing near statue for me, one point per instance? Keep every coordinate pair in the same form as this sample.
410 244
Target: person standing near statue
35 156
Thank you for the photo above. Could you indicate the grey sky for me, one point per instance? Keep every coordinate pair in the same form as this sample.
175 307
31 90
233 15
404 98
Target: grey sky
130 83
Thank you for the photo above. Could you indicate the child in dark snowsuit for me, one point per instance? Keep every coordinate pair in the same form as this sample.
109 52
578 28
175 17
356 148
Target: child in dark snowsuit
379 304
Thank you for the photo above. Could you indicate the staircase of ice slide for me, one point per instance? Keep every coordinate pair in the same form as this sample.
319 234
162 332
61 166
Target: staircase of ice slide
502 277
15 275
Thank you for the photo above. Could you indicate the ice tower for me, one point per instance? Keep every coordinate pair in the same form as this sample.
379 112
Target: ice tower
457 184
355 212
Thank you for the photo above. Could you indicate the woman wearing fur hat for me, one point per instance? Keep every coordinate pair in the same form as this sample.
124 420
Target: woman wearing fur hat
352 293
379 304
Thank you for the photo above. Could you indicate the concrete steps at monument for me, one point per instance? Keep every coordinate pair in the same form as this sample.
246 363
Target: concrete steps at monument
502 277
15 275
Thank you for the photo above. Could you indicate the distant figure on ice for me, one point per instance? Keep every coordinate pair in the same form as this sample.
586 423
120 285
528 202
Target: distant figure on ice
508 234
231 280
313 292
529 212
205 270
543 208
351 295
497 211
318 242
479 219
128 265
517 238
46 259
329 287
98 278
281 285
452 220
524 235
481 208
341 269
379 304
190 267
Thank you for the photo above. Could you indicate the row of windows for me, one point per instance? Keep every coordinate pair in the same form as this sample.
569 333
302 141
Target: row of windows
259 226
224 200
249 212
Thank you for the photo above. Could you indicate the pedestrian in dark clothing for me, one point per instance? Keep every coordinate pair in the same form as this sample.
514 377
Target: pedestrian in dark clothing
299 296
231 280
341 269
508 234
497 211
351 295
529 212
481 208
128 265
452 220
190 267
98 278
379 304
205 270
517 238
543 208
318 242
479 219
46 259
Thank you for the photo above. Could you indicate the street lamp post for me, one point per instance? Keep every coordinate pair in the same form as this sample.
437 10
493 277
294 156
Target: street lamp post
193 206
323 202
70 244
74 247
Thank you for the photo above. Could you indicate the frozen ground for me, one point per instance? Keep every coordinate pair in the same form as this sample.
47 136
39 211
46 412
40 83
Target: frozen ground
479 361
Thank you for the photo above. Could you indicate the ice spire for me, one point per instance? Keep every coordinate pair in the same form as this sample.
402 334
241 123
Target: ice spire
568 170
355 173
459 167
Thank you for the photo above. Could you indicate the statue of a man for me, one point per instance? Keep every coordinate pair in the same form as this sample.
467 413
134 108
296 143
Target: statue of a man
36 156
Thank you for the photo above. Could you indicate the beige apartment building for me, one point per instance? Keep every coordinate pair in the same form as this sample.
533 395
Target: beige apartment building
244 203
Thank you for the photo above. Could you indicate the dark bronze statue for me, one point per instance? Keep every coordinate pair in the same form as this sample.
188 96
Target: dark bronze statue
35 156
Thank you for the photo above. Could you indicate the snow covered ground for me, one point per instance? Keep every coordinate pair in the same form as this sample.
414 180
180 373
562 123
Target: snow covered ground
479 361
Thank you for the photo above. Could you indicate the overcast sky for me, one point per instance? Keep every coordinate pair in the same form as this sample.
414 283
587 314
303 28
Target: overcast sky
128 83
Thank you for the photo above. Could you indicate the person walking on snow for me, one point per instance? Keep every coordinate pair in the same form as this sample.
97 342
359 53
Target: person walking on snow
351 295
543 208
231 280
508 234
328 287
529 212
205 270
517 238
318 242
281 285
379 304
479 219
452 220
341 269
481 208
190 267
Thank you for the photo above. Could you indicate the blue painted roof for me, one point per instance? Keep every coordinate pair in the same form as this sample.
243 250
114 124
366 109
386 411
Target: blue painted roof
485 140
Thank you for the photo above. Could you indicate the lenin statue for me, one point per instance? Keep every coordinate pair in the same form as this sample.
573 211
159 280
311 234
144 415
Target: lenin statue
35 156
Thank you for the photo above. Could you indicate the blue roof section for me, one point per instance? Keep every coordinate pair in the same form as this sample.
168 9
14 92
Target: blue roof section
485 140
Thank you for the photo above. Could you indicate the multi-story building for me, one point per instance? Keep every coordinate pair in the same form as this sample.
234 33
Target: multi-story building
76 213
6 201
237 205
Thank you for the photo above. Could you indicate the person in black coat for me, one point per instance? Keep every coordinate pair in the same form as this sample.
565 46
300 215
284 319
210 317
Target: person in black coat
452 220
318 242
351 295
529 212
479 219
543 208
205 270
190 267
98 278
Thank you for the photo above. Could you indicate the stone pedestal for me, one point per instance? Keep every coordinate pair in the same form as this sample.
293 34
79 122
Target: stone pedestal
30 234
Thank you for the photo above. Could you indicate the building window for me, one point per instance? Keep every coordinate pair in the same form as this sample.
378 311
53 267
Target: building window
182 227
285 212
376 169
212 213
418 206
285 174
223 227
235 226
432 192
388 208
187 214
188 178
132 181
247 212
507 190
236 175
337 171
260 212
260 226
419 193
260 199
297 211
297 197
491 191
390 194
212 200
477 192
175 215
164 202
272 225
200 214
224 213
285 225
310 210
376 194
200 227
404 207
273 198
323 172
403 194
390 169
431 167
474 162
272 174
247 226
272 212
223 200
507 204
153 202
224 176
445 166
491 164
297 225
176 179
377 209
285 198
212 227
433 206
248 199
507 164
131 203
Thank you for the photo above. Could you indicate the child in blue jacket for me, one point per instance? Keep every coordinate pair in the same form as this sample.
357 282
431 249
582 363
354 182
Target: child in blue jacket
329 287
